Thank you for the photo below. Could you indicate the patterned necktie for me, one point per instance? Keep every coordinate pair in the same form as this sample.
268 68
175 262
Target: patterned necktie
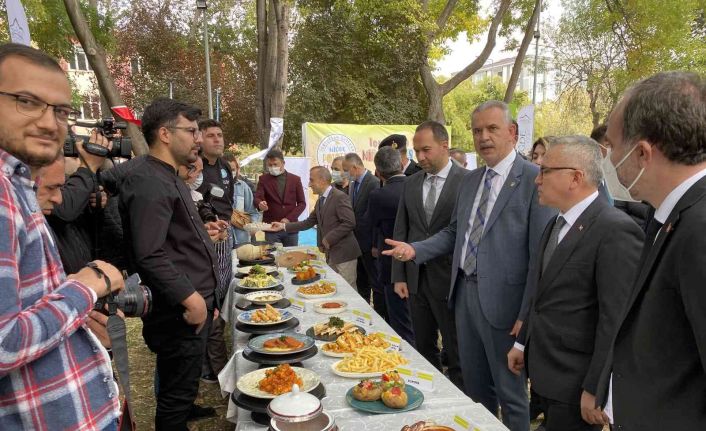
553 242
470 264
430 201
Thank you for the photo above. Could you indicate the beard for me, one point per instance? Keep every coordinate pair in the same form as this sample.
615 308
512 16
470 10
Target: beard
34 158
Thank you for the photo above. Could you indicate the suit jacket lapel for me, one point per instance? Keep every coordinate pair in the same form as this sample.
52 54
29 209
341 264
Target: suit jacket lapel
418 186
511 184
453 175
464 216
569 242
694 194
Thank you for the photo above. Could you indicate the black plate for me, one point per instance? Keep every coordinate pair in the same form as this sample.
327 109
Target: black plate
245 290
259 405
245 305
329 338
272 273
267 329
311 280
270 259
265 359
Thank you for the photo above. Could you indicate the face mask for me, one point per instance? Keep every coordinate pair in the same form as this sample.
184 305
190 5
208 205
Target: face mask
622 192
336 177
197 182
275 171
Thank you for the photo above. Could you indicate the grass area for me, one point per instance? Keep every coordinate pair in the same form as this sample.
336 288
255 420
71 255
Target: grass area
142 363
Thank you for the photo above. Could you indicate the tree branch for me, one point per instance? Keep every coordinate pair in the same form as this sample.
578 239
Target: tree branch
519 60
444 17
469 70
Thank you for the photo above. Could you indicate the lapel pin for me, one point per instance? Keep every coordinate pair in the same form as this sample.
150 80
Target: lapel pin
668 228
581 227
512 184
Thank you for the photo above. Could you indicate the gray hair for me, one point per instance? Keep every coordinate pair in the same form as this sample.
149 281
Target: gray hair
322 172
388 162
584 152
490 104
354 158
668 110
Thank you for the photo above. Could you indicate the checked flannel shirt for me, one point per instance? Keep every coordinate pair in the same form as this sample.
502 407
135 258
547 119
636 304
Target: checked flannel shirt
54 374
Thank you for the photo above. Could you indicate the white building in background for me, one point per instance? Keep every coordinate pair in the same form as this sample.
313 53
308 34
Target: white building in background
85 84
546 76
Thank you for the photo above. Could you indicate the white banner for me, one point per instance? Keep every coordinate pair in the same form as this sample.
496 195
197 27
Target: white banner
525 121
276 132
17 20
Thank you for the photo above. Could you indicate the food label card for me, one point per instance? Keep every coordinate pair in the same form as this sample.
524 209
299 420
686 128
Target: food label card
395 341
421 380
464 424
362 318
297 305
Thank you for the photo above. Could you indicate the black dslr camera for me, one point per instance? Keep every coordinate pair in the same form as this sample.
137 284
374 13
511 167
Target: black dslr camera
108 127
135 300
205 207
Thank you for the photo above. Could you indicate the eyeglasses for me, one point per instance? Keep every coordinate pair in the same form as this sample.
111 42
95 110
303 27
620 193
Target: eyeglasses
35 108
195 132
544 170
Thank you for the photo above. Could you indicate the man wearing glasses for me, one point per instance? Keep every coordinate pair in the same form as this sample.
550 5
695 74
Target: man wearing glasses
493 234
172 251
54 373
588 259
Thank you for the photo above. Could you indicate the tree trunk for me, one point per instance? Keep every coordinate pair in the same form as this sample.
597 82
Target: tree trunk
273 62
435 107
97 59
262 117
520 59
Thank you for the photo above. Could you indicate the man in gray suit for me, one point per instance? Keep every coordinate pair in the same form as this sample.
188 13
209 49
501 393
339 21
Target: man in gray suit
362 182
334 218
494 234
425 208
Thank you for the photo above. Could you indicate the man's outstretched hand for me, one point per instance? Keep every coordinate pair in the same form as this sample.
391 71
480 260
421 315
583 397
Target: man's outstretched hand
401 251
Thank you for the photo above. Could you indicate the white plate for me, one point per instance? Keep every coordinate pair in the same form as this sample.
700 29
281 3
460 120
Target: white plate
244 317
248 384
354 375
320 310
334 354
325 295
251 297
240 282
246 269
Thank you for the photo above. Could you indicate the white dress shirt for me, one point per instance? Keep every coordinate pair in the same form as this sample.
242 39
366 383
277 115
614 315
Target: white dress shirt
570 217
503 170
439 181
661 215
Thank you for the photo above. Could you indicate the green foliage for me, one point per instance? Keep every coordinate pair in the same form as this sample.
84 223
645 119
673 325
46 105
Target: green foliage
568 115
354 62
461 101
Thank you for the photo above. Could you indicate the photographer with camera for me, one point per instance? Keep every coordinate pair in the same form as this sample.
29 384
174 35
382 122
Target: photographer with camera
170 248
45 382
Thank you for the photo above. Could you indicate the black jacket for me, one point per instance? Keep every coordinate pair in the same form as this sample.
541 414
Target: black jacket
412 169
166 241
382 211
579 297
659 352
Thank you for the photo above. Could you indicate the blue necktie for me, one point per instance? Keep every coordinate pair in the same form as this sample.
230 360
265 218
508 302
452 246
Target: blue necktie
356 184
471 261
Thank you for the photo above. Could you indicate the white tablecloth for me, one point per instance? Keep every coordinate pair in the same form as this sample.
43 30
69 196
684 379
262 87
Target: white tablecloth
441 405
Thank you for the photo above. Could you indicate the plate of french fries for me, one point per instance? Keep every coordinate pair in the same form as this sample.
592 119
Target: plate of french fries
264 316
349 343
368 362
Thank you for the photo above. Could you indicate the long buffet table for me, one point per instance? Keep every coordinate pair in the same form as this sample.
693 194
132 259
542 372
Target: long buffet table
444 403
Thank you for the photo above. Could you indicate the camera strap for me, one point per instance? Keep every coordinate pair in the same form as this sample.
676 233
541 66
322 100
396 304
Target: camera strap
118 333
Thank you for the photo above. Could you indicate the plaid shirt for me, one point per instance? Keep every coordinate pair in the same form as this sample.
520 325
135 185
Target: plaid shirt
54 374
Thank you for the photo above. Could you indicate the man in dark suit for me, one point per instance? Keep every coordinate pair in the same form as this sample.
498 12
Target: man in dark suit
399 142
281 196
335 220
423 212
382 210
362 182
588 259
657 134
493 234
